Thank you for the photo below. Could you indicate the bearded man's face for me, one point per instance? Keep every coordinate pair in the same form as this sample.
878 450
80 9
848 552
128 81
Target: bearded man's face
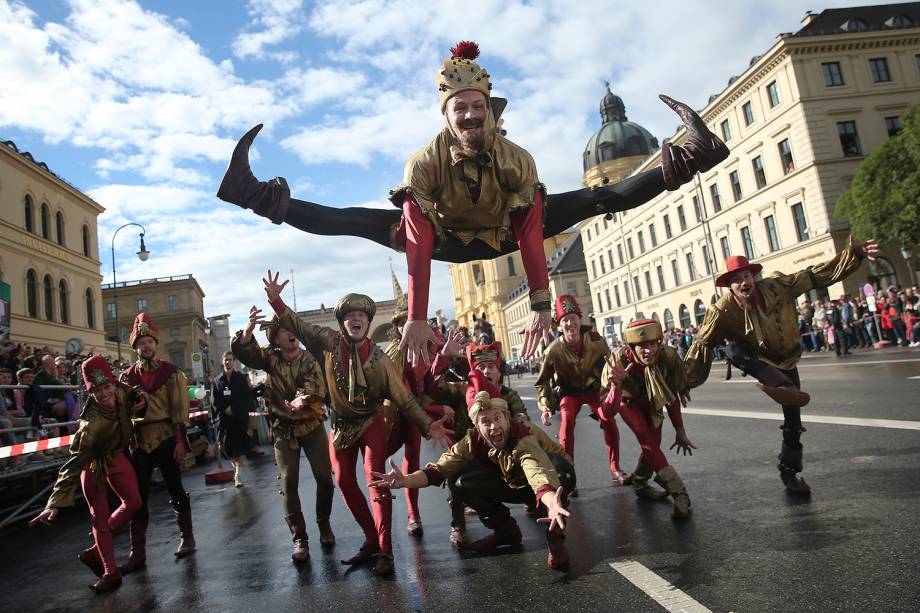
466 115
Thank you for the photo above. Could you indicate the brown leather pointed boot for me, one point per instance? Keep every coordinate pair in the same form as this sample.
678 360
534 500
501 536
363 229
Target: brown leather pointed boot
298 529
790 465
785 395
699 152
90 556
675 487
107 583
138 555
326 536
187 538
557 557
240 187
506 533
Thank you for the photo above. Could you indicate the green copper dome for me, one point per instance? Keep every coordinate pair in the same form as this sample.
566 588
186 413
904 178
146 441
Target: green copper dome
618 137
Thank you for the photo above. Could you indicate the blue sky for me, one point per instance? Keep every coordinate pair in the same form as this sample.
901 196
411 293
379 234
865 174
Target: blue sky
140 104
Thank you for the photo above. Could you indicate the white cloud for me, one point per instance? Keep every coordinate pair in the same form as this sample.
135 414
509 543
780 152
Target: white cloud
272 22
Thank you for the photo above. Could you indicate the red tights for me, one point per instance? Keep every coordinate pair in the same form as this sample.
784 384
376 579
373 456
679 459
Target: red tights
123 481
406 433
569 406
373 446
649 436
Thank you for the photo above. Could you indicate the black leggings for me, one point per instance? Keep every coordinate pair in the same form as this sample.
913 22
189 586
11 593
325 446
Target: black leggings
162 456
561 212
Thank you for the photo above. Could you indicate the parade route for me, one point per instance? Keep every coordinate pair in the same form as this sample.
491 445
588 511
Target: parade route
747 547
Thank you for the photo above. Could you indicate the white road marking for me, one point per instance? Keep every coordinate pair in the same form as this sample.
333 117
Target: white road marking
868 422
913 377
659 590
849 363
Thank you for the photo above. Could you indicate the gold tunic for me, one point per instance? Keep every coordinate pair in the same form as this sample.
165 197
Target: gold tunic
773 332
384 382
528 464
634 386
285 381
100 436
167 409
434 176
454 394
573 374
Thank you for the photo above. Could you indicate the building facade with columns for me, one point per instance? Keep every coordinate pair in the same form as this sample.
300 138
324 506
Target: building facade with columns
798 121
49 257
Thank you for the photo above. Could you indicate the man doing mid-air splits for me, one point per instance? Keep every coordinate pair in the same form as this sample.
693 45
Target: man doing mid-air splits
471 194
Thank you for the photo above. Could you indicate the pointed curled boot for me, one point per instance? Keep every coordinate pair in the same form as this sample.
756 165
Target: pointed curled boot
557 557
326 536
383 565
701 150
788 396
138 556
240 187
107 583
90 556
298 528
675 487
641 486
506 533
365 555
790 464
186 537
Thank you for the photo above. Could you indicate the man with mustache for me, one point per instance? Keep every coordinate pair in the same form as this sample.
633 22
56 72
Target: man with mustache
759 320
572 364
471 194
159 438
500 461
295 390
359 378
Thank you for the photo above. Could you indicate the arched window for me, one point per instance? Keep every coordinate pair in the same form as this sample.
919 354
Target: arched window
90 309
668 319
48 297
881 273
684 314
655 317
31 293
699 312
64 301
46 222
59 227
27 211
86 240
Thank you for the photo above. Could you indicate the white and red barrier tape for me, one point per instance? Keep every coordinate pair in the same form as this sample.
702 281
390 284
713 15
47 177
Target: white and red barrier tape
33 446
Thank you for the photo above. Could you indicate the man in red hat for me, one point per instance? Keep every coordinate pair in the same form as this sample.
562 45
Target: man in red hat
485 374
760 321
99 458
295 390
501 461
359 377
571 370
159 438
471 194
645 378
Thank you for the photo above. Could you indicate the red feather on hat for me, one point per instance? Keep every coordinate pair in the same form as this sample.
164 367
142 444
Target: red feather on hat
465 50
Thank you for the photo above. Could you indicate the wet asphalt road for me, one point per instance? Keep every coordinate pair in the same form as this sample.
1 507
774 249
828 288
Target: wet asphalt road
853 546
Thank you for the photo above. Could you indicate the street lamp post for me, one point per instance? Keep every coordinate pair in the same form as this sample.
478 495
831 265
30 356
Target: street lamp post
142 255
908 256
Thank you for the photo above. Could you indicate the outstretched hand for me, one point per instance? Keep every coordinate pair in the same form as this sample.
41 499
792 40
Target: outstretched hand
616 372
440 433
45 517
416 336
392 480
555 510
682 443
545 418
868 249
454 345
536 329
272 288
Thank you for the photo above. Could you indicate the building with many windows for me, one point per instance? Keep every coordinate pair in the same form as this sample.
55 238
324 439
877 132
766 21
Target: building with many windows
49 256
798 121
176 306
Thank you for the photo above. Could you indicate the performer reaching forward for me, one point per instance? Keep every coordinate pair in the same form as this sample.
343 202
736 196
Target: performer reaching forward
295 389
359 377
99 457
159 438
471 194
573 364
759 319
501 460
646 377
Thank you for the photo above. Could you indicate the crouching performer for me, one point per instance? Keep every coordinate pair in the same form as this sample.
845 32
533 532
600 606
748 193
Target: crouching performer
500 461
99 457
644 378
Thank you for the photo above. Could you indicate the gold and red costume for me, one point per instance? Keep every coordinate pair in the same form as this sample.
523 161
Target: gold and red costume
572 372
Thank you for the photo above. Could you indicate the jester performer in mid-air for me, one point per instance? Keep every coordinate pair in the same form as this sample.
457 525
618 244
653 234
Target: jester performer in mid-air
471 194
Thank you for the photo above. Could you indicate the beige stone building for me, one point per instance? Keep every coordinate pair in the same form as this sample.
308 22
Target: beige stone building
49 256
567 275
798 120
176 306
482 287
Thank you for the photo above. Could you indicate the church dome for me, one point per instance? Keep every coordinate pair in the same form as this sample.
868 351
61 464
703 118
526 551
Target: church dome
618 137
